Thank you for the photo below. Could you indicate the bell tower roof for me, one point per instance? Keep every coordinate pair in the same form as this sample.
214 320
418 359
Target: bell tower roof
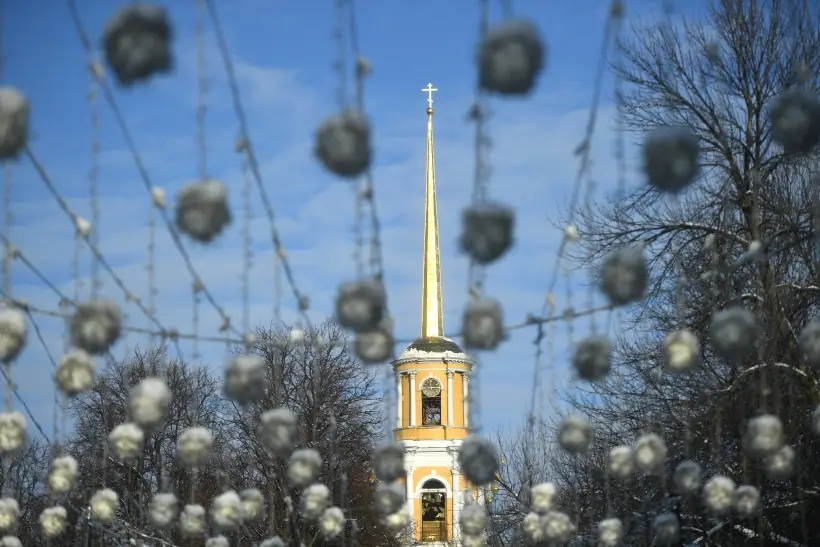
434 345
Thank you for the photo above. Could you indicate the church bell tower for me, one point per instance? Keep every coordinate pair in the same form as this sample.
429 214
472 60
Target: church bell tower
432 380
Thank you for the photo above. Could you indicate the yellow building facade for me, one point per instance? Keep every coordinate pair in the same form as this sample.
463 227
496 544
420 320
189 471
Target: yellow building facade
432 383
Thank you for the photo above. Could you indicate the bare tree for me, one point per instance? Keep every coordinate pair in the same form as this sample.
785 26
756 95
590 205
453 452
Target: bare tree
526 457
334 398
22 479
196 400
718 78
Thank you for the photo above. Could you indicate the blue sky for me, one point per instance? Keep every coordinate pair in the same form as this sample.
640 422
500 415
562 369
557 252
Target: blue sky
283 53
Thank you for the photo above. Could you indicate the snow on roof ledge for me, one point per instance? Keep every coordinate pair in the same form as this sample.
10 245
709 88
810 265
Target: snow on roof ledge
434 348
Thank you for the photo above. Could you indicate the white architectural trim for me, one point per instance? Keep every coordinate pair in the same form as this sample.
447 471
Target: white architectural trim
411 506
398 399
433 359
413 397
431 445
458 497
450 397
439 478
437 369
433 453
466 396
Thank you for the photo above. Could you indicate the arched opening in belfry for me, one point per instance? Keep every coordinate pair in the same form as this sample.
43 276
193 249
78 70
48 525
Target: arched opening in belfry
433 511
431 402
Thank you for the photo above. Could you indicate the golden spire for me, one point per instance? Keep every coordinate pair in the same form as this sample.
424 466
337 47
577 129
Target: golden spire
432 321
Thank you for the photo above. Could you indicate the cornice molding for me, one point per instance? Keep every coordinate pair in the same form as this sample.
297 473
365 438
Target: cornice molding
433 361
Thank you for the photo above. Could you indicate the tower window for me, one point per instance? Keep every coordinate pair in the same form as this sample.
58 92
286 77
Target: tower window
430 402
433 512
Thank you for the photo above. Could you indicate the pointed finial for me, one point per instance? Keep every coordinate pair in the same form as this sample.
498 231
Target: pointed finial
432 323
429 90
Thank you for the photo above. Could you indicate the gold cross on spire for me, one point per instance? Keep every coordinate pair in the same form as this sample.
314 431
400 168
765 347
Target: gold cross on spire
429 90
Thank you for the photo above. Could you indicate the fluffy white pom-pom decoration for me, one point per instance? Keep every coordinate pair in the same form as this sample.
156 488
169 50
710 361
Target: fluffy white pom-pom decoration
163 510
103 506
557 527
226 511
483 324
610 532
202 210
195 447
718 494
10 541
621 462
149 402
75 373
360 305
574 434
733 332
478 460
542 498
764 434
650 454
809 342
95 326
666 528
126 441
137 43
375 346
192 521
62 475
296 337
687 477
13 330
13 432
681 351
278 430
304 467
398 520
389 462
53 521
332 523
253 504
592 358
531 526
510 58
671 157
473 519
315 499
624 276
245 379
487 231
795 120
217 541
478 540
9 514
746 501
343 144
779 465
14 116
389 498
